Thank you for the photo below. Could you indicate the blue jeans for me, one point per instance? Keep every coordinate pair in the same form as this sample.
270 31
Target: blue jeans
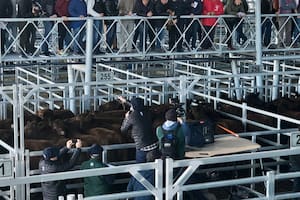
47 26
161 34
239 33
78 43
140 156
97 33
111 34
296 31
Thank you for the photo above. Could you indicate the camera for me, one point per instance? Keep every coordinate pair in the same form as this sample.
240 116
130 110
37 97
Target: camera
74 141
174 102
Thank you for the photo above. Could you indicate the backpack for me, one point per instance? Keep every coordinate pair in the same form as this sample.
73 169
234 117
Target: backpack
199 133
168 143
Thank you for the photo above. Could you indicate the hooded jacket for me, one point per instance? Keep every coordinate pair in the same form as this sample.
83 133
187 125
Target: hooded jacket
171 125
140 124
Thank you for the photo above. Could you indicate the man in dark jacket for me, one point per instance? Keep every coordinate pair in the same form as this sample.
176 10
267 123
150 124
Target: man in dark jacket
96 185
139 121
52 163
6 11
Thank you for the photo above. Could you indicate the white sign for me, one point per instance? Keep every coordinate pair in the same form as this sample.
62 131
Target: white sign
5 168
295 139
105 76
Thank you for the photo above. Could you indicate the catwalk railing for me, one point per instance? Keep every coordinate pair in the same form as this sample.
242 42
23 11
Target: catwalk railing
151 39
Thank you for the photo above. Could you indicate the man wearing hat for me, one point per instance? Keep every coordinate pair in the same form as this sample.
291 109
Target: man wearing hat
52 163
173 124
139 120
96 185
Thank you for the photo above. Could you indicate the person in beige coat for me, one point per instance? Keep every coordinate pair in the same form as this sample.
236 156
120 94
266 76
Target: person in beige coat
126 26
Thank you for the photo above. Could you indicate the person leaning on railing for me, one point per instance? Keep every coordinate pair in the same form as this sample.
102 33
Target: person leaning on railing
211 8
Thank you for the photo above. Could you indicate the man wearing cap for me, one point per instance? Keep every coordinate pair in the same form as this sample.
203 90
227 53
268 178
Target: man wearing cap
52 163
139 120
173 123
96 185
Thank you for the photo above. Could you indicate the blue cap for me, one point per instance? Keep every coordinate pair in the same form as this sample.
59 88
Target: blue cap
50 152
95 149
137 103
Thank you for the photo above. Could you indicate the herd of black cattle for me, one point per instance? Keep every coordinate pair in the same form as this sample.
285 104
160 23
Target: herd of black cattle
53 127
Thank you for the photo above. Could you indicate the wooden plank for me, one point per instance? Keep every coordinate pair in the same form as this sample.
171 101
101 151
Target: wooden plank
221 146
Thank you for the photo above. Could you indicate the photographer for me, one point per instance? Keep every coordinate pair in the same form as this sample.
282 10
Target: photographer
139 121
52 162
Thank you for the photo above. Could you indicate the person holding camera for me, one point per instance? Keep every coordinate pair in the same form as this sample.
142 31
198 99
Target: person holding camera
139 120
52 163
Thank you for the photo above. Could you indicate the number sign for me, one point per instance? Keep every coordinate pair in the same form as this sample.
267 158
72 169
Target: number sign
295 139
5 168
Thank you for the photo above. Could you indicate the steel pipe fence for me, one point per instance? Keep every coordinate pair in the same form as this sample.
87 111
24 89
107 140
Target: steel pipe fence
170 86
190 166
144 46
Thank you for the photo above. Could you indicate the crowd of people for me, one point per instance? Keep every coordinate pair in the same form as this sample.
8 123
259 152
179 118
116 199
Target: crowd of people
149 146
130 34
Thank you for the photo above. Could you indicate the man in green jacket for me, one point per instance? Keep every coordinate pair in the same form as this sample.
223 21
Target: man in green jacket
172 124
96 185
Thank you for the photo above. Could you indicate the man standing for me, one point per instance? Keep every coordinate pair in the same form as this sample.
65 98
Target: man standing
48 11
125 35
78 8
96 8
139 121
52 163
96 185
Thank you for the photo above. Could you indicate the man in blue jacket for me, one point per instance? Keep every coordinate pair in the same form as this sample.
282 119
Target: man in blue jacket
78 8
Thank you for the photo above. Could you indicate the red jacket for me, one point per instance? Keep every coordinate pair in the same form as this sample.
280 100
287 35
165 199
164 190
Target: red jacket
61 7
211 6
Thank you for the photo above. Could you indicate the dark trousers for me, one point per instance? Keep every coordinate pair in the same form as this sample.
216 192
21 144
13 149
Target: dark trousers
193 32
2 40
63 35
266 31
208 37
231 23
27 37
241 38
111 34
175 34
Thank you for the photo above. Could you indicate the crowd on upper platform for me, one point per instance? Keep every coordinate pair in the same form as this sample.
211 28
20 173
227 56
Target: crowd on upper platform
182 32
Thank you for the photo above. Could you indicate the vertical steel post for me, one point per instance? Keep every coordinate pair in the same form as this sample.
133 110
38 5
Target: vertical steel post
169 178
270 193
258 45
88 61
275 87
